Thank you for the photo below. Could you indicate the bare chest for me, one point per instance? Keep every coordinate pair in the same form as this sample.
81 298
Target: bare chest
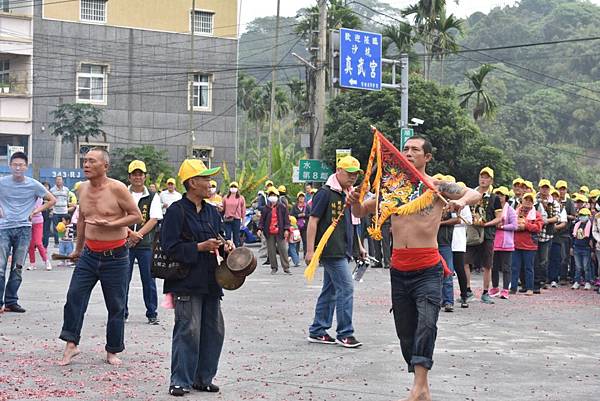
100 203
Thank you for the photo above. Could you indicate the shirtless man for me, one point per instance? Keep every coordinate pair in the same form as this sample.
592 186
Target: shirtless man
417 270
106 209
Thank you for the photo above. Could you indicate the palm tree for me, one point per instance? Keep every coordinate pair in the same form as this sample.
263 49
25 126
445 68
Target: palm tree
484 104
447 28
246 86
338 16
258 111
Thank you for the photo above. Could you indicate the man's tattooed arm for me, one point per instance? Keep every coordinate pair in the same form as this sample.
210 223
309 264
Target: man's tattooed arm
450 188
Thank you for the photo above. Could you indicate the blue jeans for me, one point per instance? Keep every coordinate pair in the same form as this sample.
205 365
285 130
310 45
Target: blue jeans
65 248
233 227
448 283
111 271
522 259
13 241
197 339
293 253
583 262
337 294
144 259
416 299
56 218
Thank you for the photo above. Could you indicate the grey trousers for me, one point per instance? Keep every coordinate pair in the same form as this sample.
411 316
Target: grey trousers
274 245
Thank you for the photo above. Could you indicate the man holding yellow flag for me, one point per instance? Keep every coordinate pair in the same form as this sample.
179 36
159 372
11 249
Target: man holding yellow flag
337 293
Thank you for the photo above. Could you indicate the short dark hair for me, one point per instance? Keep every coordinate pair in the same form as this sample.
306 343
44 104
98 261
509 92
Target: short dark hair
427 146
19 155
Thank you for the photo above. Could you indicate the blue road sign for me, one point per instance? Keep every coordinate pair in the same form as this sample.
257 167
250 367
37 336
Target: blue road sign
360 59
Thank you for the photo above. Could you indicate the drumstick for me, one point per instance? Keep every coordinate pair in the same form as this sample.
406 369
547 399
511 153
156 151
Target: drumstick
56 256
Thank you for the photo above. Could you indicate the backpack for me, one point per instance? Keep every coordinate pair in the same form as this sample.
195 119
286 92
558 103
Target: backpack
163 266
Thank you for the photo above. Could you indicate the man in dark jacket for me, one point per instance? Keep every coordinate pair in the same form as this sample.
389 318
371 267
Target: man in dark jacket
275 225
188 236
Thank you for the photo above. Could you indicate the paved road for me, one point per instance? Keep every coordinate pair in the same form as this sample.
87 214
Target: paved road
527 348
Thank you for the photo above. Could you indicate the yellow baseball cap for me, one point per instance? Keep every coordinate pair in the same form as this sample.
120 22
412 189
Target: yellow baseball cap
293 220
554 191
449 178
195 168
268 183
561 184
580 197
438 176
584 188
584 211
529 184
502 189
531 195
544 182
313 191
213 183
487 170
171 181
349 164
461 184
282 189
137 165
300 194
76 185
594 193
511 193
518 181
272 190
233 184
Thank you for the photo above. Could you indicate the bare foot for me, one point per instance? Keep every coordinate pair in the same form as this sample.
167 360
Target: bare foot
112 359
418 396
71 351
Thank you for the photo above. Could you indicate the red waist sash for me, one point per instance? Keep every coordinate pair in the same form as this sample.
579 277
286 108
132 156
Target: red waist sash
415 259
101 246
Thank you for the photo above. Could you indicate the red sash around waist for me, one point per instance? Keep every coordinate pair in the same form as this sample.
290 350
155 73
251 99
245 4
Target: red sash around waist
415 259
101 246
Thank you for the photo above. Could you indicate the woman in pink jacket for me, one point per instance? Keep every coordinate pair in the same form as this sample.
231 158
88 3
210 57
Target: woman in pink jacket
504 245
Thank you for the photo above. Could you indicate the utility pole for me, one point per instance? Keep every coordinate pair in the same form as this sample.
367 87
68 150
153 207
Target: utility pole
191 133
320 82
404 90
273 86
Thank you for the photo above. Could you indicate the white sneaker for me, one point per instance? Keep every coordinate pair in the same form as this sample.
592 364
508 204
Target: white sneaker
30 267
587 286
48 265
554 284
575 286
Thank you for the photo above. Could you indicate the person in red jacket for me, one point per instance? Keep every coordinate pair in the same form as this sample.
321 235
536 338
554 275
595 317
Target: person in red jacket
529 224
275 225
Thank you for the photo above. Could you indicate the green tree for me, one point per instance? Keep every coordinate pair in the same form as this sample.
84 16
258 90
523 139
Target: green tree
338 16
485 106
73 121
447 29
246 86
157 163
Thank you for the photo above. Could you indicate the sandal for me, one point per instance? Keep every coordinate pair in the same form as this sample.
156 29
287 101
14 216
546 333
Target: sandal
210 388
178 391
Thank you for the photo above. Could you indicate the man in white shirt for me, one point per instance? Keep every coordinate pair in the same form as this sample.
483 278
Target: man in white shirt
141 237
169 195
61 207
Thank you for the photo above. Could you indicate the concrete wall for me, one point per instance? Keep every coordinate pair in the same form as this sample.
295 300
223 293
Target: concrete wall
147 87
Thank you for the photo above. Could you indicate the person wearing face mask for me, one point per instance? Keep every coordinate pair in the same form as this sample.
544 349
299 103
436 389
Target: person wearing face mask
275 225
215 199
582 248
234 210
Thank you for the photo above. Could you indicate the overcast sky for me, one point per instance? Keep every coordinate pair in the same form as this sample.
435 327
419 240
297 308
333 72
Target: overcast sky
252 9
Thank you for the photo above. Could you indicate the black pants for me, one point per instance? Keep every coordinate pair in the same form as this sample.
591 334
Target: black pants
416 300
459 267
502 263
540 272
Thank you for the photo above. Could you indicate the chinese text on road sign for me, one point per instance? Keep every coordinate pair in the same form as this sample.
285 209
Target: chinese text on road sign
360 59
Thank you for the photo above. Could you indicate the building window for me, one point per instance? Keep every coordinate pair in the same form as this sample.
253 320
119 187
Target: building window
5 5
204 154
4 72
93 10
201 92
203 22
85 147
91 84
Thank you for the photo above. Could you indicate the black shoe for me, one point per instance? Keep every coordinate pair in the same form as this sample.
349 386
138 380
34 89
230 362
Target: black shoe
266 263
523 290
470 296
537 291
348 342
448 308
287 272
513 292
153 321
324 339
464 303
377 265
178 391
14 308
209 388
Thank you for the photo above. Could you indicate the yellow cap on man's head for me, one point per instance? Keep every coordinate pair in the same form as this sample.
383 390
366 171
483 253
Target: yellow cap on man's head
195 168
594 193
518 181
282 189
349 164
544 183
531 195
268 183
585 212
561 184
584 188
487 170
137 165
171 181
502 190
